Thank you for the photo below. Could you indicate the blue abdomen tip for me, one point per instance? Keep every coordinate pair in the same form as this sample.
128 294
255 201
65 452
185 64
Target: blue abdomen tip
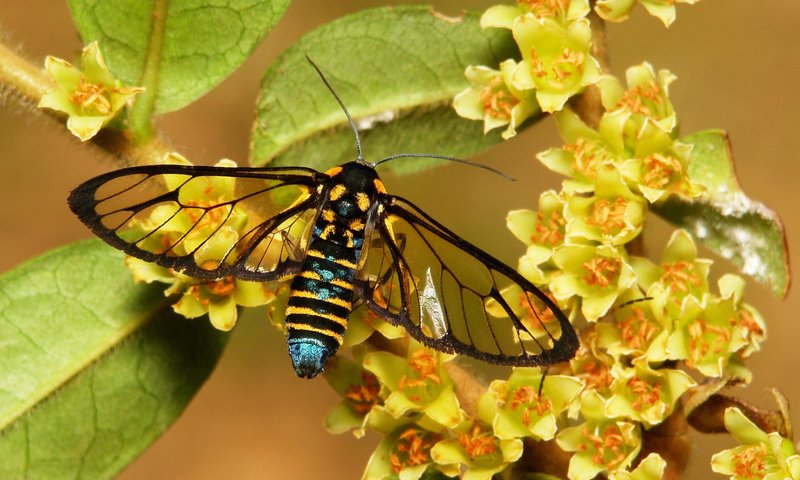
308 357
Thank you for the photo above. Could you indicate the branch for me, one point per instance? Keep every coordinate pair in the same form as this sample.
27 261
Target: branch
709 417
669 439
588 105
469 387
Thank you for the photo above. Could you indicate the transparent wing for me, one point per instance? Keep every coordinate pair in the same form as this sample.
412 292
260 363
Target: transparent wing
207 222
453 297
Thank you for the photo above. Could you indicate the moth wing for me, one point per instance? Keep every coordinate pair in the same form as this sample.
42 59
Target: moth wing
206 222
454 297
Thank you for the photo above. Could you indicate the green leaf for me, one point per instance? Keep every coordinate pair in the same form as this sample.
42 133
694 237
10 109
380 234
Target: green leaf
744 231
397 70
177 49
94 366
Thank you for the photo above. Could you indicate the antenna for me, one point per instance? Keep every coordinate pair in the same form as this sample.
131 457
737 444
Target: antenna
341 104
445 157
399 155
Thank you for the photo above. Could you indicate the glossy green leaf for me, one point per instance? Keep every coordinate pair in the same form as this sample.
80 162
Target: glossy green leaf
94 366
177 49
739 229
396 69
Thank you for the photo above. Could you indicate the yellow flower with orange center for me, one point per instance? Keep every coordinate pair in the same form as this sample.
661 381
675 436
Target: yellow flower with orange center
90 96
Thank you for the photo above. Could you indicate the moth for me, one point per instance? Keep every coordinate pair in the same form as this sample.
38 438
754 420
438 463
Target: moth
343 242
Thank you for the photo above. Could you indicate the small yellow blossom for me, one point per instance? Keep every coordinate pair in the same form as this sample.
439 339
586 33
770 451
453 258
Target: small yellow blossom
91 96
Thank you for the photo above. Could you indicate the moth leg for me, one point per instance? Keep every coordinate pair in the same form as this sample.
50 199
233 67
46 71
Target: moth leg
541 382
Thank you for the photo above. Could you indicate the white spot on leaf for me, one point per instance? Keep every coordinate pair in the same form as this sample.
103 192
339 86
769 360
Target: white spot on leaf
368 123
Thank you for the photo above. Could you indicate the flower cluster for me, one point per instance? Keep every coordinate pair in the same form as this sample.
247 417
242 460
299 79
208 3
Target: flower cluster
645 319
653 330
90 96
709 333
412 401
555 43
216 233
554 38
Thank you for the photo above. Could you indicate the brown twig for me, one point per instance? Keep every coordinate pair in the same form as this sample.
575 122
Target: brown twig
544 457
709 417
670 440
469 387
588 104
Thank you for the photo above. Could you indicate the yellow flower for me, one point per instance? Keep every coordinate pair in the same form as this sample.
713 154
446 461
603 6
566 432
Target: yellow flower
494 99
91 96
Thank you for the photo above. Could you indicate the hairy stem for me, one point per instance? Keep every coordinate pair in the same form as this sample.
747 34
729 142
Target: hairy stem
27 82
21 78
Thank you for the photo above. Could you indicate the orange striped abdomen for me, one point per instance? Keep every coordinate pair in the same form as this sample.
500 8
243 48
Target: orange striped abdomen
320 301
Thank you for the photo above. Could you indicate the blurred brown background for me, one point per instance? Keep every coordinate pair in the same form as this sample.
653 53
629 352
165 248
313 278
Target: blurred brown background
738 62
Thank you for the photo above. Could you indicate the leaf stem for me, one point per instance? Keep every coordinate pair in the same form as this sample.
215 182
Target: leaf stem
141 114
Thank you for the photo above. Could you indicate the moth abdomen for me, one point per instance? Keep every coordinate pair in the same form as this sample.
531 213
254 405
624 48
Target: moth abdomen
320 301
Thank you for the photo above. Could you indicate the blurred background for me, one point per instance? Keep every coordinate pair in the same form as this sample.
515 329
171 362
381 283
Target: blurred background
737 64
